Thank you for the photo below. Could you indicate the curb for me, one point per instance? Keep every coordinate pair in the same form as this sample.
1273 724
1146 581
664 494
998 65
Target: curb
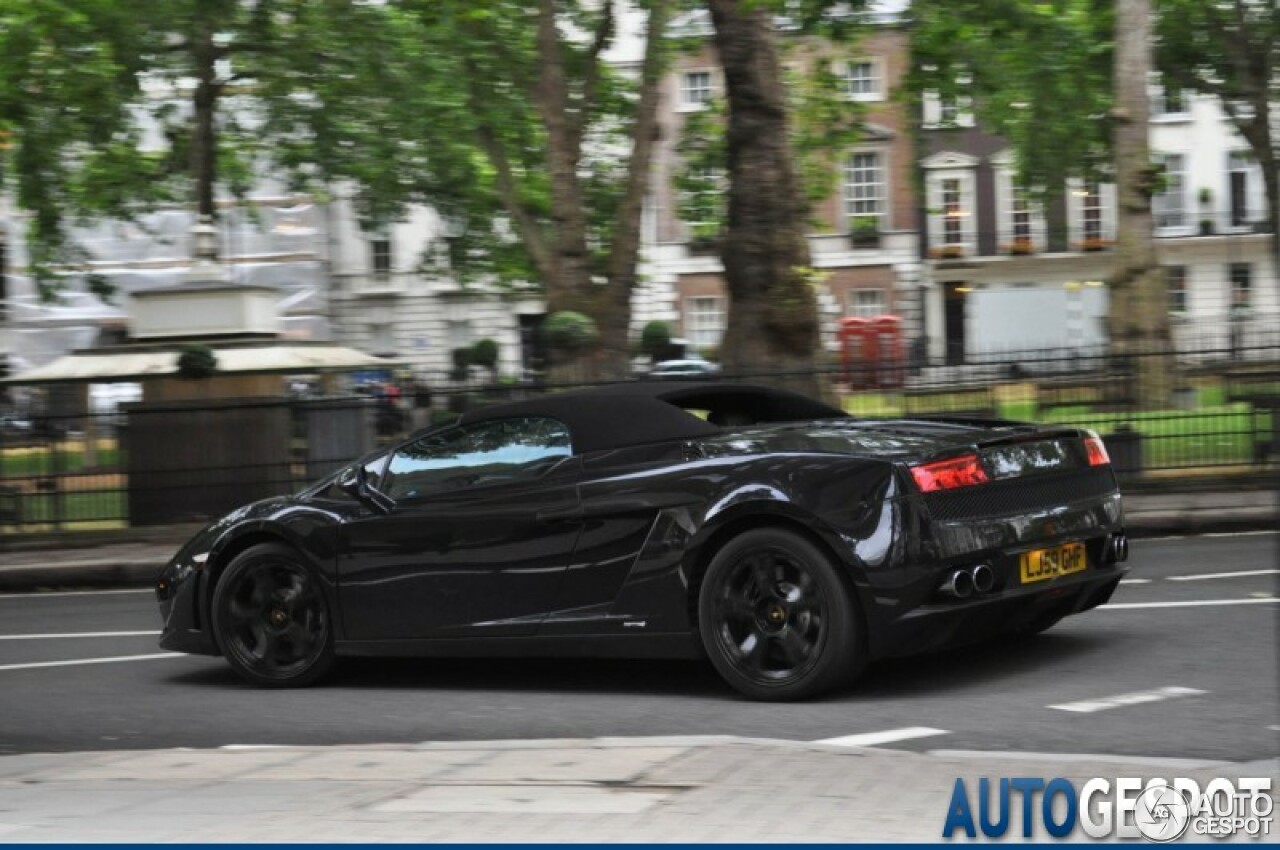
100 574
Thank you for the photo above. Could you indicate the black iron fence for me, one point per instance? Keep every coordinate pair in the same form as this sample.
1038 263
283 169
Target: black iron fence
156 463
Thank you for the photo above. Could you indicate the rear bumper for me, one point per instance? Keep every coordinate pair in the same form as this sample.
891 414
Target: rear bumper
937 625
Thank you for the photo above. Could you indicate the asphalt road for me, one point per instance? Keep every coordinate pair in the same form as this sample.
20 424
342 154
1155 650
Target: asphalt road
1183 664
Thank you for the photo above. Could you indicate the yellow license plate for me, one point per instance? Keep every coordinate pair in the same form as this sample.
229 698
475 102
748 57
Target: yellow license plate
1041 564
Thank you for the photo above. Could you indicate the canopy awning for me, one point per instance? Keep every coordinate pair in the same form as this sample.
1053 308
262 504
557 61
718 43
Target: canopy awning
105 366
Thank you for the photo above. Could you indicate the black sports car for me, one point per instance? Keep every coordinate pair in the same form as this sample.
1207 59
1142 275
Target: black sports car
789 543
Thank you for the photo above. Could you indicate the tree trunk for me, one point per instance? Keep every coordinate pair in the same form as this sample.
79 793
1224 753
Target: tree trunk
569 226
204 145
612 360
773 318
1139 315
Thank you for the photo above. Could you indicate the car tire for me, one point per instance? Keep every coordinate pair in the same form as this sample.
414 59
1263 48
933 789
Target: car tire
271 618
776 619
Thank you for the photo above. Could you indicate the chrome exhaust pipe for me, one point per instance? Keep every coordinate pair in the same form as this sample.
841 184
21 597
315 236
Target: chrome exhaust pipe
959 584
984 578
1120 547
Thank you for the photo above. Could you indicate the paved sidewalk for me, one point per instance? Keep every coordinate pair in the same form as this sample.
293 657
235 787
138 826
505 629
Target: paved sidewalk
138 563
643 789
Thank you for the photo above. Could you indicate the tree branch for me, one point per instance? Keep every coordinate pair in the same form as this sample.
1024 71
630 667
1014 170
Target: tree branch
591 75
626 244
530 232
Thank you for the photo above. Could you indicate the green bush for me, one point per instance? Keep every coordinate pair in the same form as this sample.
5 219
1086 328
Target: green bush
196 362
485 353
570 333
655 339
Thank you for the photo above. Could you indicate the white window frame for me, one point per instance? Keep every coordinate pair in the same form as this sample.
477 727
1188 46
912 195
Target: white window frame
377 237
1183 276
880 304
881 201
713 182
1007 196
968 211
1159 98
932 108
1233 286
459 333
1174 199
693 98
704 320
1241 161
1075 212
876 79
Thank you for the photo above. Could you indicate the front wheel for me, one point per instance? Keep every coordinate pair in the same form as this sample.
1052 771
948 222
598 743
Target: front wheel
271 619
776 619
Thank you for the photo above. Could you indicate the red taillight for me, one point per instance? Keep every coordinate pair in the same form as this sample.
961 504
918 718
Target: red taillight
1096 451
946 474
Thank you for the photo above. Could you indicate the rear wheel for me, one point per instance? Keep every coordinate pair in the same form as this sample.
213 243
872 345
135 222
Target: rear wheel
776 619
271 618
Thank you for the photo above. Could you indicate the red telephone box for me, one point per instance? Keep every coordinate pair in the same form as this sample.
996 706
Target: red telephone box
857 351
889 350
871 351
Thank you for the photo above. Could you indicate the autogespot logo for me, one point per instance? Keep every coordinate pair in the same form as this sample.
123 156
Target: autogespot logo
1155 809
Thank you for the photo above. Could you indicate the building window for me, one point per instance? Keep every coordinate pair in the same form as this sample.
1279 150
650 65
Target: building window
1238 168
952 212
1091 212
1241 275
862 80
458 332
382 337
1167 101
702 201
864 188
380 252
1020 214
1169 206
1176 286
865 303
704 320
695 88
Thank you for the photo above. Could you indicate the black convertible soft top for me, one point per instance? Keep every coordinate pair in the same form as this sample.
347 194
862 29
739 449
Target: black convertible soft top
632 414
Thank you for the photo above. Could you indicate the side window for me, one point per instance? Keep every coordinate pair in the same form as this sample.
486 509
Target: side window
486 453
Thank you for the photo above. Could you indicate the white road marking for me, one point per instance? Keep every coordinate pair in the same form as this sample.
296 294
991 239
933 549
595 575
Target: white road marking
1238 574
872 739
1191 604
4 596
1121 700
79 635
1135 581
254 747
1208 534
77 661
1274 728
1152 761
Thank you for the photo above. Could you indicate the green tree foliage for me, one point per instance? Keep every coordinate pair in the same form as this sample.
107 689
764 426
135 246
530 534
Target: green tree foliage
112 107
1039 74
1230 49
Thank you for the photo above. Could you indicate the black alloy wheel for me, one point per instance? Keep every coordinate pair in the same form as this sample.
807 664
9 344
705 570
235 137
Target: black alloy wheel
777 620
271 619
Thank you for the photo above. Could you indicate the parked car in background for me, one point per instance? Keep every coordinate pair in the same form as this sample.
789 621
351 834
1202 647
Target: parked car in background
692 367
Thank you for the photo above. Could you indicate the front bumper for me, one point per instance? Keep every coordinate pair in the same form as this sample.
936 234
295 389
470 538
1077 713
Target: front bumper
178 592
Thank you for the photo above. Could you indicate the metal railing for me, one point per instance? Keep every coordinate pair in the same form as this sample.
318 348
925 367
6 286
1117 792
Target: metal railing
161 463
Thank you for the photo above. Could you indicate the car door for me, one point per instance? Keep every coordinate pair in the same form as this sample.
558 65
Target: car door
484 518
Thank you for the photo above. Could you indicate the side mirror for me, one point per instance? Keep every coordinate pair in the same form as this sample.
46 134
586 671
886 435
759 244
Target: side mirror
354 481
